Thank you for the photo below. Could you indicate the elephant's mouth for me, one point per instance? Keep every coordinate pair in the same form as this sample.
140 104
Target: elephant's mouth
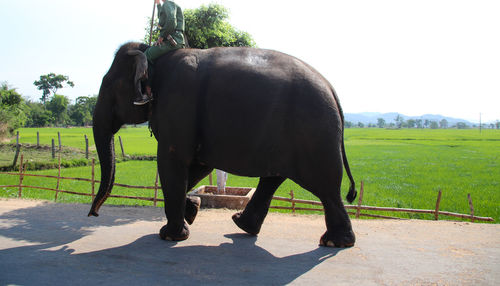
141 85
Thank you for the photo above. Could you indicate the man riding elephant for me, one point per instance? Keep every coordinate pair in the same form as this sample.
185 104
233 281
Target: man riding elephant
171 22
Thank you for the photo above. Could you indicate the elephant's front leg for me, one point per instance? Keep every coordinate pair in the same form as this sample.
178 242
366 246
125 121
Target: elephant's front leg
251 219
196 173
174 180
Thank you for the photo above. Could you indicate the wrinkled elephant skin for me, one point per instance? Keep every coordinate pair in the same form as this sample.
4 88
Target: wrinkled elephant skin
250 112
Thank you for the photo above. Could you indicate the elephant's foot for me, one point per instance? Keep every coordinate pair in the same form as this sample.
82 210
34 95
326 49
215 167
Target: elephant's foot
338 239
192 207
247 223
174 233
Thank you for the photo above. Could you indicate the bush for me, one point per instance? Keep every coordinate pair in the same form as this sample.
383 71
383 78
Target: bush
11 114
38 115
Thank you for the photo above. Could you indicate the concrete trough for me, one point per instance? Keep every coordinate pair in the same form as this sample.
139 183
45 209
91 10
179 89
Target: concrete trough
233 198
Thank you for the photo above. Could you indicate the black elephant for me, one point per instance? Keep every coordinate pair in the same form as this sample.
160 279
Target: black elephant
250 112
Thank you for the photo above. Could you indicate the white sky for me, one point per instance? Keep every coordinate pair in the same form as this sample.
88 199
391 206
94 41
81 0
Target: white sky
412 57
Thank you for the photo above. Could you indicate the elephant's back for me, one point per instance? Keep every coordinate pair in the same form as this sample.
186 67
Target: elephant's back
262 73
264 105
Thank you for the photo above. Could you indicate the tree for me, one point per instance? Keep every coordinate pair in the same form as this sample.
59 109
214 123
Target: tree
348 124
419 123
411 123
81 112
9 96
58 105
443 124
380 122
38 115
207 27
361 125
433 125
50 83
497 124
12 115
399 121
461 125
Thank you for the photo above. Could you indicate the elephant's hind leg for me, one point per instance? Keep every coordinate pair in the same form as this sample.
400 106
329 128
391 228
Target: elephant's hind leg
196 174
325 184
338 225
251 219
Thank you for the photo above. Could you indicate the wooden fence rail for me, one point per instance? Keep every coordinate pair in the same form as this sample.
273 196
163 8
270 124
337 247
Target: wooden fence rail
292 200
436 212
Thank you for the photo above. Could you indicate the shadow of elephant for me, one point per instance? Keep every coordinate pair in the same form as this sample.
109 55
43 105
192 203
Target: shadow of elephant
47 259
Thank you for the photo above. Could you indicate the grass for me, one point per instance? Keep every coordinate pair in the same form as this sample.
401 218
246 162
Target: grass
400 168
406 168
136 140
40 158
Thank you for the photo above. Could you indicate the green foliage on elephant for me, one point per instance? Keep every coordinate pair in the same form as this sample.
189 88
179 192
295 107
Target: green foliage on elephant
50 83
207 27
12 115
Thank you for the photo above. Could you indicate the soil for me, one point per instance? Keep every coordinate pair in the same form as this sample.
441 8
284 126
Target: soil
55 243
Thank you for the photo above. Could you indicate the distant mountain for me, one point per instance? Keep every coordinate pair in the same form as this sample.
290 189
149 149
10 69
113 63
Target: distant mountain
372 118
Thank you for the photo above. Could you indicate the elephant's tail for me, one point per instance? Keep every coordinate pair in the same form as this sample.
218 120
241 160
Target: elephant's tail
351 195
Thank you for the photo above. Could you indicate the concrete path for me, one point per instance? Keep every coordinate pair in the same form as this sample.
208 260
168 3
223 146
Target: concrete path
56 244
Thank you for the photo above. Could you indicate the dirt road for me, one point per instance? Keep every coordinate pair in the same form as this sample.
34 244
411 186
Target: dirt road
56 244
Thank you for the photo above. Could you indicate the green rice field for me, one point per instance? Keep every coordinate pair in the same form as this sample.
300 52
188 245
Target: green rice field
400 168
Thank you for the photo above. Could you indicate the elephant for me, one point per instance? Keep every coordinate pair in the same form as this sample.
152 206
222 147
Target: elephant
248 111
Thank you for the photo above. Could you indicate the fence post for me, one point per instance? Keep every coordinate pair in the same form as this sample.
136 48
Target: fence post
210 178
156 188
471 208
53 149
86 147
438 201
18 149
293 202
93 179
21 177
59 136
58 175
121 146
360 199
37 139
17 138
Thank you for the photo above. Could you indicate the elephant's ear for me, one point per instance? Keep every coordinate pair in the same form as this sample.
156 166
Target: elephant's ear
141 69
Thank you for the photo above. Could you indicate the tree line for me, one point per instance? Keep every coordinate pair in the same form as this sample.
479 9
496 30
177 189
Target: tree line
52 109
399 122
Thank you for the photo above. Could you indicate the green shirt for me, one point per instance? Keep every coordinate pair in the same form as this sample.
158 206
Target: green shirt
171 21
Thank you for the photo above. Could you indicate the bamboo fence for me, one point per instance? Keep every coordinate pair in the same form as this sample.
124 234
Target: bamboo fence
292 200
436 212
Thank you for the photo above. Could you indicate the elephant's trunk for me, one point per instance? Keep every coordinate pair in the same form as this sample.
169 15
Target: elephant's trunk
104 141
